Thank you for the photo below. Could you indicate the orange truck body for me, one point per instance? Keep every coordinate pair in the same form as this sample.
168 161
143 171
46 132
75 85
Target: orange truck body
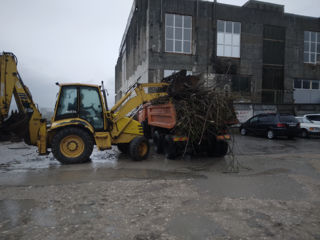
163 115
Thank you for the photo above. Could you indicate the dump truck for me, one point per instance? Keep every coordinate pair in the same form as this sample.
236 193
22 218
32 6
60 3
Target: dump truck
81 117
159 123
163 121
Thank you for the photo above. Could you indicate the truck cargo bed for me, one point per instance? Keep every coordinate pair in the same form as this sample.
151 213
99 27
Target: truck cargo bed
163 115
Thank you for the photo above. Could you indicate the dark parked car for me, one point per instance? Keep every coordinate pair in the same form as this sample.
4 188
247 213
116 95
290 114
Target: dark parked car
272 125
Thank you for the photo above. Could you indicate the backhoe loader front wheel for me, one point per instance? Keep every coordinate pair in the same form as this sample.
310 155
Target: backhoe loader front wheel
139 148
72 145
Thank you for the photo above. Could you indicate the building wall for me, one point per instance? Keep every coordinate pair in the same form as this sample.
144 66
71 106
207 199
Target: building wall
134 49
253 17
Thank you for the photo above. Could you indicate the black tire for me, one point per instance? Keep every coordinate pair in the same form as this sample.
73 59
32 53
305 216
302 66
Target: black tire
146 129
123 147
83 156
223 148
304 133
218 149
243 131
139 148
157 142
170 148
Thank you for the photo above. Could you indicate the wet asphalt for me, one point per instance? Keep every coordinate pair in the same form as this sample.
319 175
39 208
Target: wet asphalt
263 189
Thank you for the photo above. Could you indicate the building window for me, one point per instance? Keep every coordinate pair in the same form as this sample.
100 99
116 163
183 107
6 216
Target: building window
178 34
312 47
228 39
306 84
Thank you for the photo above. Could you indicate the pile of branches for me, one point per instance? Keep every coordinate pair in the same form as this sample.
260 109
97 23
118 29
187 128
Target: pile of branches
200 111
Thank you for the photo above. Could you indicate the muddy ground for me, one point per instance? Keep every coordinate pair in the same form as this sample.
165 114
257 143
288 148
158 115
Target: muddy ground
275 195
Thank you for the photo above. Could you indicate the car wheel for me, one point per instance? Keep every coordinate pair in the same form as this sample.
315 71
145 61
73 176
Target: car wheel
270 134
304 133
243 131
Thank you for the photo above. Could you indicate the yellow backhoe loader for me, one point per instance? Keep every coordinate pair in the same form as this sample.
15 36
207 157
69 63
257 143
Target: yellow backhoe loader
81 118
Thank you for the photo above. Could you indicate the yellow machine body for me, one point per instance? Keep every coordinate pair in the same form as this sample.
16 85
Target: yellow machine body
118 127
73 129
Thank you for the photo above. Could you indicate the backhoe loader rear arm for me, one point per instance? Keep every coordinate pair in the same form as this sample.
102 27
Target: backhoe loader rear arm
11 84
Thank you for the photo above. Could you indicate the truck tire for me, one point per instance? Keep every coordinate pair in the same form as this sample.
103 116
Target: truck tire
72 145
217 149
146 129
157 142
123 147
223 148
169 146
139 148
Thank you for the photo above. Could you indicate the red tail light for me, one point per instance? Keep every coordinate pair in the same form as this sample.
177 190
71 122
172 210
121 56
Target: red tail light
281 125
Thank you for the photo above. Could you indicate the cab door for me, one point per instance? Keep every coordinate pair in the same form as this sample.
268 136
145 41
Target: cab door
90 107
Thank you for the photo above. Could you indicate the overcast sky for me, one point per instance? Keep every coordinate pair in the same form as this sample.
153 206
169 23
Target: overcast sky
77 40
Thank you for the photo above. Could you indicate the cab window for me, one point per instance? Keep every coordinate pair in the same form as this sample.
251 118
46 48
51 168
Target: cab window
91 107
68 103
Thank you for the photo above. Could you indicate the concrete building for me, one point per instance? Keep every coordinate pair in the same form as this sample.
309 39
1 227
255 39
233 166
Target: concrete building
260 49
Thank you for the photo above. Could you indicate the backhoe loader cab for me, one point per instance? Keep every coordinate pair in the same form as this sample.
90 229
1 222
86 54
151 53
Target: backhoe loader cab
81 101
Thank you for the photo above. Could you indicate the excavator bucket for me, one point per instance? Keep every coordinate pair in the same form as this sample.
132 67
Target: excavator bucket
15 127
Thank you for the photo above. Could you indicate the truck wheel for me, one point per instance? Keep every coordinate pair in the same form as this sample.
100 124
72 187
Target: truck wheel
157 142
217 149
72 145
146 129
169 147
123 147
139 148
223 148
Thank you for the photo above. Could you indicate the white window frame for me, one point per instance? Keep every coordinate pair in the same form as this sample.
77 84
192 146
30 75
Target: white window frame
232 45
310 84
174 39
309 51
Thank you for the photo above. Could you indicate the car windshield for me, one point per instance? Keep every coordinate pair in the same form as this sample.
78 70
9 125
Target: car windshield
287 118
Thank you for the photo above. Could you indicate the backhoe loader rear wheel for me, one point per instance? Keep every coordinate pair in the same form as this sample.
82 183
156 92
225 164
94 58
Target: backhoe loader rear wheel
72 145
139 148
